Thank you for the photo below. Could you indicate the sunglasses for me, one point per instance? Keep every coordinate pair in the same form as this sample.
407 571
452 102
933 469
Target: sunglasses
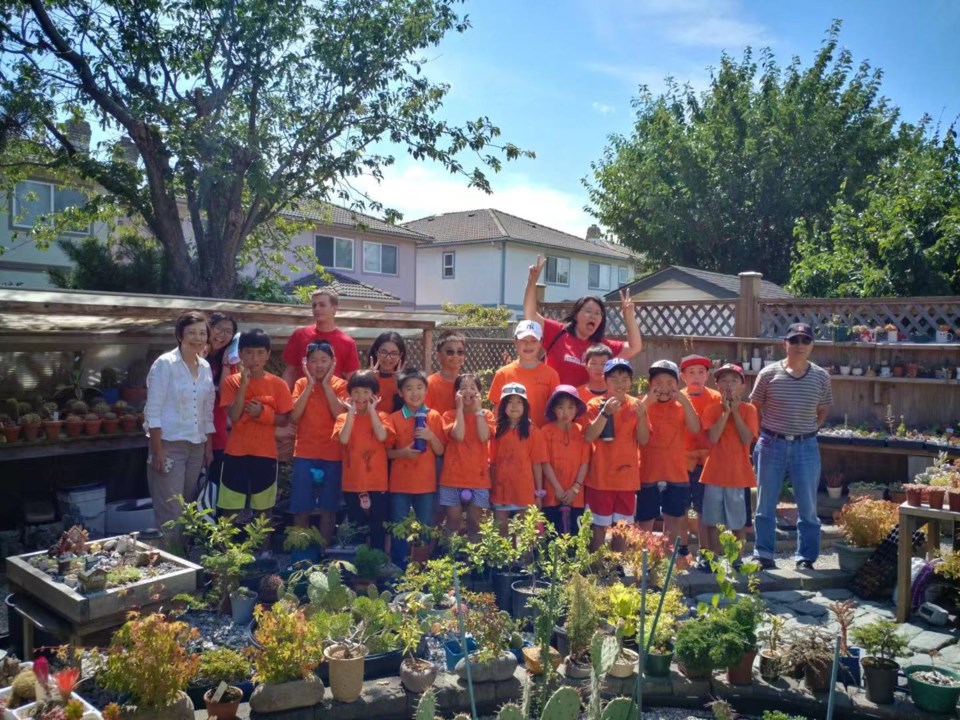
450 353
800 340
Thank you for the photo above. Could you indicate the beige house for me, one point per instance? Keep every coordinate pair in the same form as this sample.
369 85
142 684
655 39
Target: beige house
677 284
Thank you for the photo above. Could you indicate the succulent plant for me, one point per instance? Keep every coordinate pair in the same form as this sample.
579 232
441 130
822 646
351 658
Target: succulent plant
109 415
48 409
24 407
30 419
71 418
13 409
77 407
91 416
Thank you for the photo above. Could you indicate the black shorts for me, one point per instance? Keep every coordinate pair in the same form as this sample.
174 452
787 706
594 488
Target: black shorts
696 489
672 501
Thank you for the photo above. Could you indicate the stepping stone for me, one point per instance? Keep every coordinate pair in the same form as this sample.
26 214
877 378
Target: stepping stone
784 596
950 655
910 631
929 640
806 607
836 594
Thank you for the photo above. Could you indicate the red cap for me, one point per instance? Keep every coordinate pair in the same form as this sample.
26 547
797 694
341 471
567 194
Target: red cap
690 360
729 368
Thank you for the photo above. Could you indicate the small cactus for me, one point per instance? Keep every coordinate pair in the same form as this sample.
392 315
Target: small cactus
617 709
91 416
13 409
564 704
30 419
47 410
24 408
427 707
77 407
603 653
511 712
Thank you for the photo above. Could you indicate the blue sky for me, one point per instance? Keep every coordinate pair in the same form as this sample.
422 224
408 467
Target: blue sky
558 77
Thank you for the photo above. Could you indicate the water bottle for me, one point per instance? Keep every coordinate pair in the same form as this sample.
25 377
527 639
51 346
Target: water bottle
607 432
232 355
420 421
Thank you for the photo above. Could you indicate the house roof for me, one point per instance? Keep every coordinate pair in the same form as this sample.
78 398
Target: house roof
471 226
719 285
347 287
337 216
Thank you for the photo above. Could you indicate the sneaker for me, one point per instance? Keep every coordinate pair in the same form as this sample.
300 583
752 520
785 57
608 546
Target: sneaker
766 563
805 565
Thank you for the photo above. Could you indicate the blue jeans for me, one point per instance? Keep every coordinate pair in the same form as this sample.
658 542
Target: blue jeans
799 460
400 504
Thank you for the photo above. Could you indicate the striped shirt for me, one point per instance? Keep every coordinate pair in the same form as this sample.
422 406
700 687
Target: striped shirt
788 404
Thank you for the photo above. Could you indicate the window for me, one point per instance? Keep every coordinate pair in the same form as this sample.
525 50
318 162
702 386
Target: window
32 199
336 253
449 265
557 271
598 276
379 258
623 276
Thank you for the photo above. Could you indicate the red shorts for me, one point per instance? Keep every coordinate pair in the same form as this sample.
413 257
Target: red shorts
611 506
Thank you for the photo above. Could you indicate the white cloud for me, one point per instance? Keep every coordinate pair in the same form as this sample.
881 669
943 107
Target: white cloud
421 190
601 108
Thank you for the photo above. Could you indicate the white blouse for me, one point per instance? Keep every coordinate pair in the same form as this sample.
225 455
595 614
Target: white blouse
177 403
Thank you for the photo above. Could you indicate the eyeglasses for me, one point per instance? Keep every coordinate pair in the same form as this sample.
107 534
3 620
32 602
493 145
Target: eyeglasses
800 340
225 330
450 353
392 354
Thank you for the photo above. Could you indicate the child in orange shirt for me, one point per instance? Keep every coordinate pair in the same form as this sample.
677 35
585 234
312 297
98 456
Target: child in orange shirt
732 426
465 477
451 354
316 455
364 434
257 402
595 360
414 450
538 378
695 371
387 356
664 486
517 454
614 475
568 459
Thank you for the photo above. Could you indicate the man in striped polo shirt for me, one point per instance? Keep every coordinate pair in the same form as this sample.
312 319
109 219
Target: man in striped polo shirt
793 396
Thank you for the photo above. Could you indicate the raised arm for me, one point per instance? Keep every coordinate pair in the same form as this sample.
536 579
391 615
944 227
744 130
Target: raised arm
530 309
634 341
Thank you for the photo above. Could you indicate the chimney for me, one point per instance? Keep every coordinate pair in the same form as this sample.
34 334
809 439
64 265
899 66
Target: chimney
78 133
593 233
127 150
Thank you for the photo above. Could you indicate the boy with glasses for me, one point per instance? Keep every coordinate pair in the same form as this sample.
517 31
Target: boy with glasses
451 354
793 397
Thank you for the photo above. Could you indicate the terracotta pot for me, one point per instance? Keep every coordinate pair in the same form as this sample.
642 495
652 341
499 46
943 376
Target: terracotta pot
128 425
74 429
419 553
223 710
110 426
914 497
31 432
92 427
935 497
898 496
742 673
133 395
11 433
51 429
953 501
533 663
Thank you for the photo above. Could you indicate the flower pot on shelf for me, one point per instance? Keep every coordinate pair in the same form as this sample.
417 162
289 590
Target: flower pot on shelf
227 706
345 667
417 675
31 431
626 664
898 496
953 501
51 429
914 496
110 425
935 497
534 663
892 336
880 680
929 696
657 664
835 493
11 433
742 673
74 428
92 427
852 558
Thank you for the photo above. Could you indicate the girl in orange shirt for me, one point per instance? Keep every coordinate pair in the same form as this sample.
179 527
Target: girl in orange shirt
568 459
387 357
465 477
517 454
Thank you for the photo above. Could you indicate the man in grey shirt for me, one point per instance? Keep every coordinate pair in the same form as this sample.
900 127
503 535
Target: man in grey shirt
793 397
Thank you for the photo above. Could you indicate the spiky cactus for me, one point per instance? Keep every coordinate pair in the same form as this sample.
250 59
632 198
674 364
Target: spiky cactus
603 654
564 704
427 707
510 711
13 409
618 709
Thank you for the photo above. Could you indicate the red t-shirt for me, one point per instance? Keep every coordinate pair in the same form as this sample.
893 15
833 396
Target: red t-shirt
566 354
344 349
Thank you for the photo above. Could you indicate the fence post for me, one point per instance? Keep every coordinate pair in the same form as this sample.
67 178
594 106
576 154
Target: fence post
747 323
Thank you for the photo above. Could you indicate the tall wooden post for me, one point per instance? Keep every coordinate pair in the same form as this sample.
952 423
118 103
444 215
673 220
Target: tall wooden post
747 323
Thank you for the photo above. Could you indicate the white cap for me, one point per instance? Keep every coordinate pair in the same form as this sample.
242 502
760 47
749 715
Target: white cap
528 328
513 388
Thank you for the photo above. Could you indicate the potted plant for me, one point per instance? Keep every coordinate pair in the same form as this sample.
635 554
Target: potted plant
746 611
834 482
933 689
11 428
707 643
242 602
532 534
914 493
435 578
286 653
50 419
303 544
811 653
369 564
223 704
865 523
92 423
128 422
31 426
416 674
892 333
843 611
39 693
110 422
583 617
346 540
771 657
882 643
491 628
134 389
498 553
897 492
148 662
220 665
73 424
660 653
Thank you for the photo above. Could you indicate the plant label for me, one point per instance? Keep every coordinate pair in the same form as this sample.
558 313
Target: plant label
218 693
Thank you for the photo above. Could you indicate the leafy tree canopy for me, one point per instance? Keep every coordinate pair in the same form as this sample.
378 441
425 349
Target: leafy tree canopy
717 180
473 315
229 113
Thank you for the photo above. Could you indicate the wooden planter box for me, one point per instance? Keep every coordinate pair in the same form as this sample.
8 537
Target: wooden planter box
82 609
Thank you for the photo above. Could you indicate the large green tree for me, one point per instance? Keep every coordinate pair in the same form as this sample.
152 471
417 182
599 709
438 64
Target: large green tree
236 110
718 179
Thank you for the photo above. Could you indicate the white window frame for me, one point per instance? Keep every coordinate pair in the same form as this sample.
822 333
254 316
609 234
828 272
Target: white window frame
625 271
335 239
15 211
557 260
380 245
452 267
599 285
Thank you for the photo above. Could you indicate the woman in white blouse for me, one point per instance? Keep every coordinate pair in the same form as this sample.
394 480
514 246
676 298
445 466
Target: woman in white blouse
179 418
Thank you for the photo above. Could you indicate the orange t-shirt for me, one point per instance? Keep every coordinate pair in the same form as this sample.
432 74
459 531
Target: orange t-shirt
364 457
513 460
388 391
665 455
441 395
466 463
615 464
567 451
728 464
255 436
539 382
698 447
314 439
414 475
586 394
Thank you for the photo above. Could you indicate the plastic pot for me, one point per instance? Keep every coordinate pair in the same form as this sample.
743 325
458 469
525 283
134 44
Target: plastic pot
930 697
310 555
849 671
346 674
834 492
522 590
501 588
851 558
935 497
880 680
742 672
241 608
453 651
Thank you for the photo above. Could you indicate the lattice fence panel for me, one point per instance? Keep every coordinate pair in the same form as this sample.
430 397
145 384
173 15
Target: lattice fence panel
911 316
665 318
